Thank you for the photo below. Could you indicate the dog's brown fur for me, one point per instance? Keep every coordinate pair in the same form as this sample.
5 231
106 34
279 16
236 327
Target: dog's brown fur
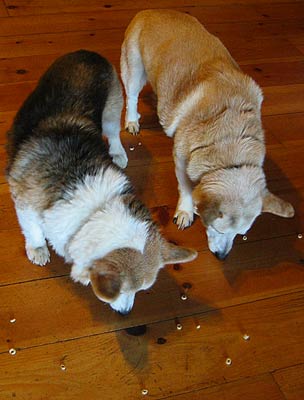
69 194
213 110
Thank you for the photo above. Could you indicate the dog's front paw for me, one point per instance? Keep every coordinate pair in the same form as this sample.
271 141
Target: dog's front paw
78 274
132 127
39 255
183 219
120 159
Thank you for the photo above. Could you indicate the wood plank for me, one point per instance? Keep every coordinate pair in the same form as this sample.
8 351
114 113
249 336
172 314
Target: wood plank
283 99
15 95
277 30
241 46
96 19
278 74
28 68
59 23
118 365
291 382
253 49
6 120
65 310
24 69
257 388
16 267
298 41
27 7
56 43
287 129
3 10
224 23
247 12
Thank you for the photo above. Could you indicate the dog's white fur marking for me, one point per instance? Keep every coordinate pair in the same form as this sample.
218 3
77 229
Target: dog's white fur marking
111 123
218 242
93 222
31 225
124 302
72 213
108 229
132 114
184 108
134 77
184 209
32 228
111 129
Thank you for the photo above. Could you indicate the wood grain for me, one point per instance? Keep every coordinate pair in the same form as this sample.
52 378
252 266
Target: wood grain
3 11
257 290
291 381
258 388
242 45
65 310
292 99
27 7
187 360
93 19
28 68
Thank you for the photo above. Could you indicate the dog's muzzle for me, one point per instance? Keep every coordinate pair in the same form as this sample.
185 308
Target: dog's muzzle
220 256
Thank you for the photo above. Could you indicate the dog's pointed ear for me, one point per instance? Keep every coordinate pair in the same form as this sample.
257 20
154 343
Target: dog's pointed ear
106 282
274 205
173 254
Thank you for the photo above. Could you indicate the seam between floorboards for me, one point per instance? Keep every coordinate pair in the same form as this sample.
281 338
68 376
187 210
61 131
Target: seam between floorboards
227 382
199 252
136 10
277 384
157 322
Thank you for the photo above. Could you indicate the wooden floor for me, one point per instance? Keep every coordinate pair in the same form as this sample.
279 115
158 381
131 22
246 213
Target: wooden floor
258 291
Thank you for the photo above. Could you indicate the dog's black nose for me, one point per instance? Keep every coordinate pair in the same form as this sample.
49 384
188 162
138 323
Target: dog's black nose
136 330
124 312
220 256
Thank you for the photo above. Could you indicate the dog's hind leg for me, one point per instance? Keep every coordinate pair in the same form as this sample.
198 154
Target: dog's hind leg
183 216
134 77
35 244
111 123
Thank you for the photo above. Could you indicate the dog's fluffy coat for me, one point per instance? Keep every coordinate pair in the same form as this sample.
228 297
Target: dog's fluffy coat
213 111
67 190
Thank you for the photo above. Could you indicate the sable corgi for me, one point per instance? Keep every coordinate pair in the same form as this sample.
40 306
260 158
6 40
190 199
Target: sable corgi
213 111
67 190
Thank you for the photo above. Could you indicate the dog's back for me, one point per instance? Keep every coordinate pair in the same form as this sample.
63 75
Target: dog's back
76 84
55 140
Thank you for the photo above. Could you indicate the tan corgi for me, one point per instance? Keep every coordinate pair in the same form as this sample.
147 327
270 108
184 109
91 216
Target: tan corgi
213 112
